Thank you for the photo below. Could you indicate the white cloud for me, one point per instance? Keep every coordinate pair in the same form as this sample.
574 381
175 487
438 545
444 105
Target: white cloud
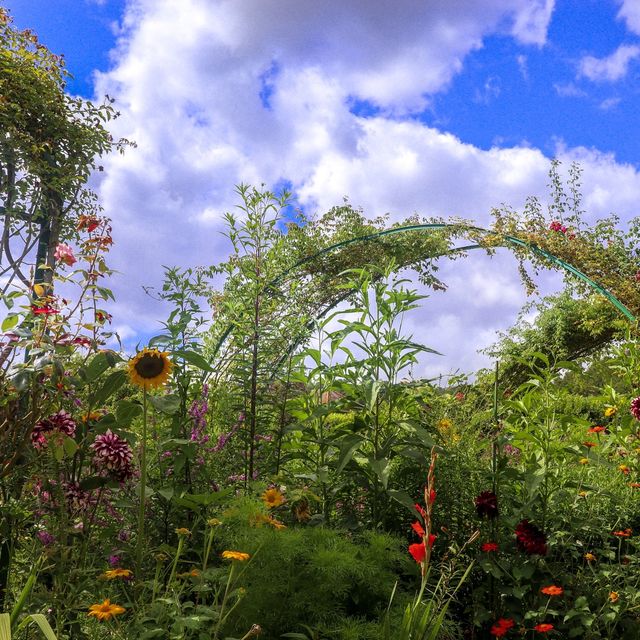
613 67
630 13
568 90
217 93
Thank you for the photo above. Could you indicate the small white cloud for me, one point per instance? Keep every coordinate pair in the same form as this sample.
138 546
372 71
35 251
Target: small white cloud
609 103
613 67
523 66
490 90
532 21
568 90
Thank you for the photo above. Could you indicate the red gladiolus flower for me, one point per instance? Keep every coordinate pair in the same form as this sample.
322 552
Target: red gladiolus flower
421 511
489 547
543 627
552 590
417 527
432 539
432 496
418 551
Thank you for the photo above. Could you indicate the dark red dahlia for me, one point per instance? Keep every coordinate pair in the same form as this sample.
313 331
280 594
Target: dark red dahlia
112 454
60 422
635 408
78 500
530 539
487 505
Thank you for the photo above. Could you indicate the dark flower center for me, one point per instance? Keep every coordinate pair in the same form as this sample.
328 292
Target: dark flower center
149 366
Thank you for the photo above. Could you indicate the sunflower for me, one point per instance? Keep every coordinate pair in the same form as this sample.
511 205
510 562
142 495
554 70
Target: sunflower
272 498
105 611
150 368
235 555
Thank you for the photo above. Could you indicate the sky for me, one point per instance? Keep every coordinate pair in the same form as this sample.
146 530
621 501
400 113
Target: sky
403 106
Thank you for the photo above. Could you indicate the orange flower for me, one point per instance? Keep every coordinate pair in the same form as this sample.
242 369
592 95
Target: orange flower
634 485
112 574
105 611
625 469
614 596
596 429
543 627
590 444
552 590
272 498
235 555
589 557
623 534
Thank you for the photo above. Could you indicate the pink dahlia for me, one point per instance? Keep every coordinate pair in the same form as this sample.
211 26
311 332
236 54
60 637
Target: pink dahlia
61 423
64 253
635 408
113 454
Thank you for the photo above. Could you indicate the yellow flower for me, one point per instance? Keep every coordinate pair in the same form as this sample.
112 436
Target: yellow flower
112 574
614 596
589 557
272 498
610 411
624 468
235 555
92 416
150 368
105 611
444 425
39 290
584 460
583 494
214 522
183 531
276 524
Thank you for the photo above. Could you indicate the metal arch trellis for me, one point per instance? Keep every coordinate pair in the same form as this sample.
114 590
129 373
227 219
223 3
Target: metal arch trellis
507 240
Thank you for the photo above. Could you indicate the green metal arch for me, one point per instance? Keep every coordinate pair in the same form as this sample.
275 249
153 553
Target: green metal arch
508 240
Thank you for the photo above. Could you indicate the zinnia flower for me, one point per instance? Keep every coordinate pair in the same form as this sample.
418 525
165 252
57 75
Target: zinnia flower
61 423
614 596
544 627
552 590
610 411
487 505
113 454
235 555
584 461
489 547
589 557
272 498
635 408
596 429
150 368
501 628
105 611
623 534
183 531
530 539
112 574
590 444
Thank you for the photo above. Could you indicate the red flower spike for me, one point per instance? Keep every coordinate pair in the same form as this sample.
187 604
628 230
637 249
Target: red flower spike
543 627
417 527
418 551
489 547
432 539
432 496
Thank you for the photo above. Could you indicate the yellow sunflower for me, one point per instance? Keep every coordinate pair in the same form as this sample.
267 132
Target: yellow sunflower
235 555
272 498
112 574
150 368
105 611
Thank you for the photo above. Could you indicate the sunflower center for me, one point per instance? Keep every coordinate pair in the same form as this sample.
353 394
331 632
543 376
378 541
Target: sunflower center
149 366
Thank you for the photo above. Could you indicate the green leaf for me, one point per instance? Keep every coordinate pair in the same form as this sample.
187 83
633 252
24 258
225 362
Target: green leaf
348 447
9 322
404 499
45 627
5 627
113 382
195 359
126 411
70 446
166 404
382 469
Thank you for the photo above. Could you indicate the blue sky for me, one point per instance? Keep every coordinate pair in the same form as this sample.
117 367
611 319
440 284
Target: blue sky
410 106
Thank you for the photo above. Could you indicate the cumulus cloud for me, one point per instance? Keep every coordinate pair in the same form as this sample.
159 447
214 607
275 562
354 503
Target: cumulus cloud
612 68
217 93
630 13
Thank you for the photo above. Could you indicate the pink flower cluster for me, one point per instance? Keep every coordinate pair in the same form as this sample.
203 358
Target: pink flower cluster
64 253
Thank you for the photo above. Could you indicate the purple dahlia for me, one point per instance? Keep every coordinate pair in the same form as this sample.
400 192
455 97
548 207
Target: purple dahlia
635 408
113 454
60 422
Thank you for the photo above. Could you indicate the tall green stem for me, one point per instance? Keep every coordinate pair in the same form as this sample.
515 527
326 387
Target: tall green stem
143 483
